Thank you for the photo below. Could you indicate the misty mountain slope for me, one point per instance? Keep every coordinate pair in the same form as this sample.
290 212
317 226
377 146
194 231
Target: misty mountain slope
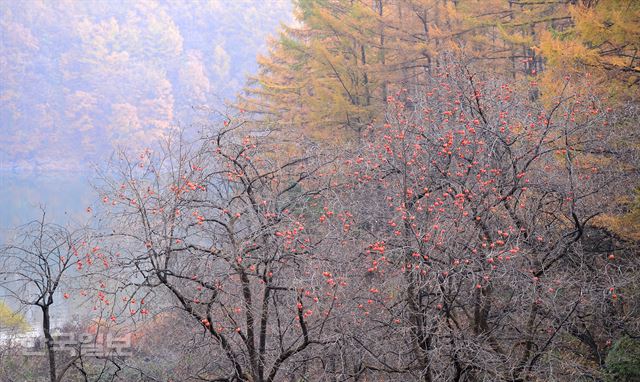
82 77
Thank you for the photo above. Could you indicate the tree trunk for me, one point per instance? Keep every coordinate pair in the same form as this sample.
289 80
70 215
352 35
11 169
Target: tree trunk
46 328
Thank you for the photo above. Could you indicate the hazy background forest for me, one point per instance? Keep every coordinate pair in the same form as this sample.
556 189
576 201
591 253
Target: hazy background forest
320 190
80 78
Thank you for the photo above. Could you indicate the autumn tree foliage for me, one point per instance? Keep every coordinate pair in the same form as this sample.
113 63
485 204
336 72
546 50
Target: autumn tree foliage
352 54
11 320
603 40
419 190
123 72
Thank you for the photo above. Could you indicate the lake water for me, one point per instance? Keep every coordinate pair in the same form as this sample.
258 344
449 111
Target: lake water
64 194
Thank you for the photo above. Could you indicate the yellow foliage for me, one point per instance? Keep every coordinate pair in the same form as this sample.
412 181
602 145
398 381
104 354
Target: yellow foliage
12 320
604 41
514 38
357 52
625 226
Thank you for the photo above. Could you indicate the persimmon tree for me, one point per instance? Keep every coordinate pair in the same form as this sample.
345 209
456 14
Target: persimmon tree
36 267
219 229
469 209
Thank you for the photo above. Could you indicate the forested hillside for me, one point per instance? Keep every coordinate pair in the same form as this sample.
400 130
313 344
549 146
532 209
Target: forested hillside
356 53
80 78
405 190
